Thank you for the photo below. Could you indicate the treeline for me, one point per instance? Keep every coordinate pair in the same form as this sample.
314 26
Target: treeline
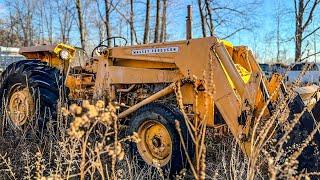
32 22
88 22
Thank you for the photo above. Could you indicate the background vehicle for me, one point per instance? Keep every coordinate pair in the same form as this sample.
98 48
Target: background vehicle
310 76
8 55
266 68
279 68
232 93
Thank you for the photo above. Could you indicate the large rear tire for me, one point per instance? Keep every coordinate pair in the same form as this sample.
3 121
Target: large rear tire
29 94
160 145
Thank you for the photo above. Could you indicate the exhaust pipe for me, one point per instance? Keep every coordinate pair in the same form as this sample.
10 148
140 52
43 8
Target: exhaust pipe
189 23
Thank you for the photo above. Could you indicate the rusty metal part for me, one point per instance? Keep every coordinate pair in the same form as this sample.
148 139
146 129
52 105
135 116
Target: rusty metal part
189 23
21 107
155 146
34 49
80 85
150 99
50 54
126 90
144 64
123 75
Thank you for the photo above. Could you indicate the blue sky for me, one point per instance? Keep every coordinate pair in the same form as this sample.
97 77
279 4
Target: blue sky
255 39
2 11
261 38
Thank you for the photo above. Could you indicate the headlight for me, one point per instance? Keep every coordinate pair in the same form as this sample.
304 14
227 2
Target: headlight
64 54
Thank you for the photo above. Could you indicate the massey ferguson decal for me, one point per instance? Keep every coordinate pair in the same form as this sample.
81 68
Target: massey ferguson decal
155 50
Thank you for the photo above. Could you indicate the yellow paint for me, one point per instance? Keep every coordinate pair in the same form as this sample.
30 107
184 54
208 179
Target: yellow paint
155 146
62 46
245 75
226 43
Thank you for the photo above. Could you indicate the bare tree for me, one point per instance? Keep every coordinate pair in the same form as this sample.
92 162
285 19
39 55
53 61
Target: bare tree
157 24
23 15
41 12
146 24
81 24
129 21
66 17
315 44
48 19
132 32
230 17
9 32
163 33
210 19
202 18
304 12
99 21
278 18
107 20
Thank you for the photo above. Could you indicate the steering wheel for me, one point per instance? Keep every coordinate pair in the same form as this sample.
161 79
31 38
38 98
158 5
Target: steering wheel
101 47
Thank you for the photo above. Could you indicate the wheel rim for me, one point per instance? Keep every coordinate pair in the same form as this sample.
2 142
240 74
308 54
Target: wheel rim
155 146
21 106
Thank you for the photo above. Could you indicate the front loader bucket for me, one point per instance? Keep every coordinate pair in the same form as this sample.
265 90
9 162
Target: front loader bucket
304 139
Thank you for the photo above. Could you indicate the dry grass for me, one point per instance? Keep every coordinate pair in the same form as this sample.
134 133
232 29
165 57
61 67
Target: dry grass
88 142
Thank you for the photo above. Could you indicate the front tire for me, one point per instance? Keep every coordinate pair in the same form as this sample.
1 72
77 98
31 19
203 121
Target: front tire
160 144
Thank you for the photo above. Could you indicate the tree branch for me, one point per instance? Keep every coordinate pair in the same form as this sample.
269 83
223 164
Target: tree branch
236 31
127 20
99 12
315 30
306 5
230 9
316 2
295 8
310 55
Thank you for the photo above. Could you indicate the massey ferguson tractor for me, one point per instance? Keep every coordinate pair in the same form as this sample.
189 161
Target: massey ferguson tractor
223 81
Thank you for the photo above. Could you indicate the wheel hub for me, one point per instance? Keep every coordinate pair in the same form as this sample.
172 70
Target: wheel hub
21 107
156 145
156 142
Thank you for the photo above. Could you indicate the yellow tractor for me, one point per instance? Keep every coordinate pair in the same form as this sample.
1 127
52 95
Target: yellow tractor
219 83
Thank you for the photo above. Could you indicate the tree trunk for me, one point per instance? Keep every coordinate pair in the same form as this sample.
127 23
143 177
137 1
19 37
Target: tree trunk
299 31
107 21
278 32
81 25
146 25
278 40
156 28
163 33
211 28
202 18
132 34
48 21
